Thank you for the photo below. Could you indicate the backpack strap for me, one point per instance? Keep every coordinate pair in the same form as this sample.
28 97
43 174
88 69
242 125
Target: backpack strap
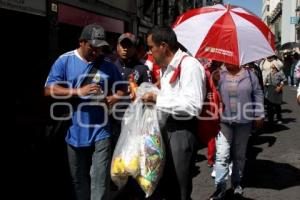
252 88
210 87
177 71
92 72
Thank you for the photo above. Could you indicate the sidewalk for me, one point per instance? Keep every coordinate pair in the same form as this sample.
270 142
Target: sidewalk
273 166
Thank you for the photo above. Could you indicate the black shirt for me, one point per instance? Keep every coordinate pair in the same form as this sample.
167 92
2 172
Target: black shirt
141 74
140 71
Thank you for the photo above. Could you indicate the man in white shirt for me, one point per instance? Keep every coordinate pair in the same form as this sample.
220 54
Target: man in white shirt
180 100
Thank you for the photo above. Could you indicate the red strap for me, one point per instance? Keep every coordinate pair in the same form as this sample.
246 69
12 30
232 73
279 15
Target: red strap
210 86
177 71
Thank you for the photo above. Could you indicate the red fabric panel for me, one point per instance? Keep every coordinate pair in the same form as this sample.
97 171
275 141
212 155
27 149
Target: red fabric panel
221 41
211 151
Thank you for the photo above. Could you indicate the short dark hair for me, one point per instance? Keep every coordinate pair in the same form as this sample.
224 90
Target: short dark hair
82 40
164 34
140 43
296 56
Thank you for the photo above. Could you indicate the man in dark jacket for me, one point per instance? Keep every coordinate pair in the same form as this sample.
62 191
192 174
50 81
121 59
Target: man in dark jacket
128 64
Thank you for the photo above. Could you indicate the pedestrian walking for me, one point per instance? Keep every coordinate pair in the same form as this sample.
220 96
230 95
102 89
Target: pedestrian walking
288 68
240 91
131 69
274 91
298 94
135 73
296 69
265 66
88 137
181 97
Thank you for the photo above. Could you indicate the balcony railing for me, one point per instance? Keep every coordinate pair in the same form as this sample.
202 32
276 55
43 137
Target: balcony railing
276 13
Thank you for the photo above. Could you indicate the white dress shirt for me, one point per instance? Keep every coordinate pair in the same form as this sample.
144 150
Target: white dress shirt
184 96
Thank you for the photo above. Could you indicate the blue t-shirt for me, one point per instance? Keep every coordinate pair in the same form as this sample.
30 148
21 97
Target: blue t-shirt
89 120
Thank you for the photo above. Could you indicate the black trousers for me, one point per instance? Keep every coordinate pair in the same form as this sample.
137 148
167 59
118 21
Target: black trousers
273 109
181 149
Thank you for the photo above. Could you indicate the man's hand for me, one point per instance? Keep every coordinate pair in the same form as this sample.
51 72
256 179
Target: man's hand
89 89
149 97
111 100
278 89
57 90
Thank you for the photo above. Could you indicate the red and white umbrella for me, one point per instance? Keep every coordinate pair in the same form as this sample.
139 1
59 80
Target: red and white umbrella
229 34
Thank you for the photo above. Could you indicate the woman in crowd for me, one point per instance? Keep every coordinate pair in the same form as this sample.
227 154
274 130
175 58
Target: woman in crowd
243 103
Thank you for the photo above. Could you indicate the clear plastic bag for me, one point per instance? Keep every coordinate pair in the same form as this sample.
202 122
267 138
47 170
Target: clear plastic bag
140 150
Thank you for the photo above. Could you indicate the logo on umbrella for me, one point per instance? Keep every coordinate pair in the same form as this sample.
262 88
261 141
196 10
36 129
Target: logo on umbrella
219 51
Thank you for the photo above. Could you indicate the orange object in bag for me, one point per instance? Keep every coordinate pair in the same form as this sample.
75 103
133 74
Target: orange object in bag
133 86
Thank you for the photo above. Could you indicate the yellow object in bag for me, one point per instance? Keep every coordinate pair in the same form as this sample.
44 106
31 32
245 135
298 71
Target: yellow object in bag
133 166
146 185
118 166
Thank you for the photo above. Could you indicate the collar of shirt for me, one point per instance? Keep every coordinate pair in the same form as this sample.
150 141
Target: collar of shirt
81 58
174 63
237 77
176 59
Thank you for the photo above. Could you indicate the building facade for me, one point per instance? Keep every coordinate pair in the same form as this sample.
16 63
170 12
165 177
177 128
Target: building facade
164 12
297 25
282 17
275 17
288 22
265 12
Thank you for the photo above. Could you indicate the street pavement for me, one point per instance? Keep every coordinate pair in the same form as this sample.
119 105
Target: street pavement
272 169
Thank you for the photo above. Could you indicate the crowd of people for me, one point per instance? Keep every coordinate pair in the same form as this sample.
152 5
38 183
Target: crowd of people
99 85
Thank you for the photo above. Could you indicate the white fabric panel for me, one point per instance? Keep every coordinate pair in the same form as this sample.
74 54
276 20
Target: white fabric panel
219 6
252 44
196 27
241 10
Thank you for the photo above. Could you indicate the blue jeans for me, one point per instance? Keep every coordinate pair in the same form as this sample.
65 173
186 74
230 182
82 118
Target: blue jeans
231 145
90 169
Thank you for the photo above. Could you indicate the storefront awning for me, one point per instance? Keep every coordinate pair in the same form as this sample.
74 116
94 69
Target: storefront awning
78 17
